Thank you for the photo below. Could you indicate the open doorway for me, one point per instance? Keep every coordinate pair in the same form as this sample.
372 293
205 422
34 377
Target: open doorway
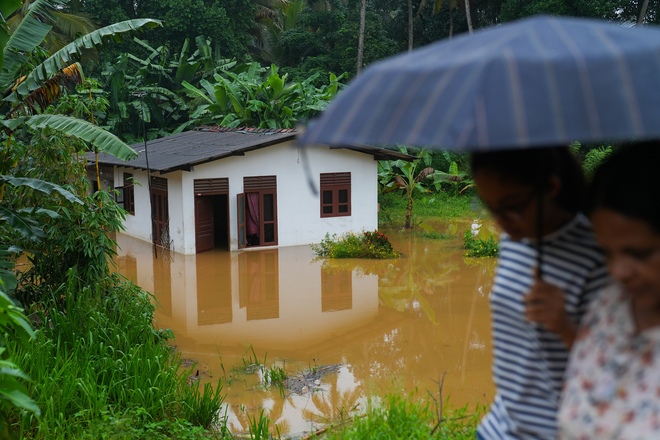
211 214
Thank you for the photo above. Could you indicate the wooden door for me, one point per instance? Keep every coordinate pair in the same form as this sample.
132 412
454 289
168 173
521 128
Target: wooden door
204 226
160 212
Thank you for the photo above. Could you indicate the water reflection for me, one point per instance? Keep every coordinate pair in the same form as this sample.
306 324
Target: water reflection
410 319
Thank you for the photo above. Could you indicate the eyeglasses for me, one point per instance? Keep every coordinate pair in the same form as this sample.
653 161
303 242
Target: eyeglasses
514 210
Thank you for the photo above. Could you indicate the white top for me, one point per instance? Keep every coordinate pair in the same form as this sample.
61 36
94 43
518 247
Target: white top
612 386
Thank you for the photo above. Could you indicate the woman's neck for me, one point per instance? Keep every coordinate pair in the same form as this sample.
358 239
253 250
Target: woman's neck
555 218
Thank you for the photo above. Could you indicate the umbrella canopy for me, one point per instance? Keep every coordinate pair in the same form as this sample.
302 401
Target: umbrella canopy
538 81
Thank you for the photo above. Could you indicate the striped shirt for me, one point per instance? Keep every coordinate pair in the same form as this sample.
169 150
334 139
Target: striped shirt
529 361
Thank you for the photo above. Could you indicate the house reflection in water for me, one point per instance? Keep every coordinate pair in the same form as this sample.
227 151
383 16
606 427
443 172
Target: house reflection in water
413 319
276 300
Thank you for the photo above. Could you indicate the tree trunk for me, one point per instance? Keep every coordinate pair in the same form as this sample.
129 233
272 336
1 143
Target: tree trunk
642 12
410 25
409 210
451 23
360 54
468 15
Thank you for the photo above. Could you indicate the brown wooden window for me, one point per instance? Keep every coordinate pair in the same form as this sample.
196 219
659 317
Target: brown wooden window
126 194
335 194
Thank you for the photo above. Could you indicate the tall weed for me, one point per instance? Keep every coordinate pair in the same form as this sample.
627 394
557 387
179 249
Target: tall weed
99 358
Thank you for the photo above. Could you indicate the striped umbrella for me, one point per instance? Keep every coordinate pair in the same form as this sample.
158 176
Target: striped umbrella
538 81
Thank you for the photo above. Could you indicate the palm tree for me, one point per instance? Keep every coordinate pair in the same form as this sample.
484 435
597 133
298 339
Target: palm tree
642 12
468 15
360 53
410 26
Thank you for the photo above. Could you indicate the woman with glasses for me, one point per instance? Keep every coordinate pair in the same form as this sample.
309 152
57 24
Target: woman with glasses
612 388
535 195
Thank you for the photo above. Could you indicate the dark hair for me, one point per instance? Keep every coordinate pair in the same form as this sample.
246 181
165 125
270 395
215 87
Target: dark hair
535 167
628 182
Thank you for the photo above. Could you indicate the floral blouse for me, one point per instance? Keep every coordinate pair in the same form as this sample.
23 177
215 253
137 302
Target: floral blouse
612 387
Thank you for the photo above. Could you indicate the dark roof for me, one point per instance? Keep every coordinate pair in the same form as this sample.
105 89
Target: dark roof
183 150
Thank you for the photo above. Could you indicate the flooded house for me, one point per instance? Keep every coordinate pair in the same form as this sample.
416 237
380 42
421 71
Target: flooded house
232 189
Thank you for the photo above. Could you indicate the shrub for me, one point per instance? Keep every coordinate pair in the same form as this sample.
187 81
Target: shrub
477 247
370 244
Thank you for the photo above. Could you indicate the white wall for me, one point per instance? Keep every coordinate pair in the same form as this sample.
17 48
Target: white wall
138 225
298 208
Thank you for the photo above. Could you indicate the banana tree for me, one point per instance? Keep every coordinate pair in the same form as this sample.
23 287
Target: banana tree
255 96
408 177
41 85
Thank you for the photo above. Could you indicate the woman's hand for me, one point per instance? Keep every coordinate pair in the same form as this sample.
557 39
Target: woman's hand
544 304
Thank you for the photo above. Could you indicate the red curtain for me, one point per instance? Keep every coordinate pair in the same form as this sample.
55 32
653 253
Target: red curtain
253 213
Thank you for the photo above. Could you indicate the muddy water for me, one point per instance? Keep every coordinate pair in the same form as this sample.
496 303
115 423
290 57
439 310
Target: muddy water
396 325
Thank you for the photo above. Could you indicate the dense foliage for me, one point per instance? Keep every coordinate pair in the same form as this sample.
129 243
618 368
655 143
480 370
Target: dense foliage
480 247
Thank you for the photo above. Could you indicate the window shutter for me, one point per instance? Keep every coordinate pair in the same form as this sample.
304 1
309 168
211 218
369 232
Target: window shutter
159 183
259 183
211 186
335 179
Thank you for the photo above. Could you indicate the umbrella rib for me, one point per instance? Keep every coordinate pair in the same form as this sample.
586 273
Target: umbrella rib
629 94
516 96
403 107
431 102
583 72
354 109
552 87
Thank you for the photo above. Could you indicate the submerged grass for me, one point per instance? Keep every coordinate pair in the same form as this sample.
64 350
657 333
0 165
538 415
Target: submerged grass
99 369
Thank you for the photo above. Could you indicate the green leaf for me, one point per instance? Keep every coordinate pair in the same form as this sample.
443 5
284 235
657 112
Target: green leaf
29 34
8 7
195 92
8 280
27 227
99 138
40 185
10 391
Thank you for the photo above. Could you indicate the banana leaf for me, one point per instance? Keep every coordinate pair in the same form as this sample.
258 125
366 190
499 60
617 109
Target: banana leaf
65 56
99 138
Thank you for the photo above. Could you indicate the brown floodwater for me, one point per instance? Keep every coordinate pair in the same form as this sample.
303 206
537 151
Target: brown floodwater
386 325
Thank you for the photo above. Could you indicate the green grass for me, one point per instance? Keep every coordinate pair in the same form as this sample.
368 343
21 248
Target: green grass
402 417
99 369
